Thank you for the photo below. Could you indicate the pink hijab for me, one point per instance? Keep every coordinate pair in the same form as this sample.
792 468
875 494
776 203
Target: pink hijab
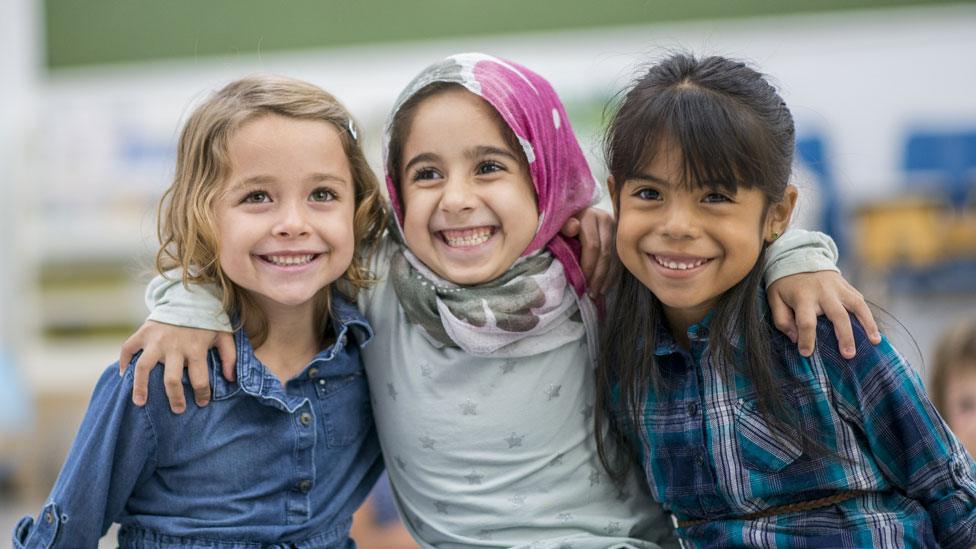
530 107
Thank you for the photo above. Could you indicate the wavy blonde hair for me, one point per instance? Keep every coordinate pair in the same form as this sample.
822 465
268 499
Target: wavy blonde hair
186 222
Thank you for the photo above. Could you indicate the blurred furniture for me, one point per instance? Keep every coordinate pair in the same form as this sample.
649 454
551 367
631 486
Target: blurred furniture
925 240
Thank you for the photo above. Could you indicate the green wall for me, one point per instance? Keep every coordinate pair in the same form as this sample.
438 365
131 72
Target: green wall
87 32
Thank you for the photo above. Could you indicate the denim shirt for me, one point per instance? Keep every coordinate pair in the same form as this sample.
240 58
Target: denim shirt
263 465
709 454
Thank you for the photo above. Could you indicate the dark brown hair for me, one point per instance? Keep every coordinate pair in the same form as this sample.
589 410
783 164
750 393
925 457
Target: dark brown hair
731 128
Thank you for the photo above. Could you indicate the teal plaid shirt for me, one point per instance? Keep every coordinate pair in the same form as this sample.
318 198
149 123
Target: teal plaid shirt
708 454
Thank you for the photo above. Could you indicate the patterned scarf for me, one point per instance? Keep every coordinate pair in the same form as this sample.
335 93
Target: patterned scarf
540 302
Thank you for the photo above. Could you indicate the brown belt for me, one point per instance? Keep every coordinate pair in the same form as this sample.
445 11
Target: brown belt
807 505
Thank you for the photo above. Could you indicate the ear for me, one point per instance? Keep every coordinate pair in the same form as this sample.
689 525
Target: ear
778 217
612 190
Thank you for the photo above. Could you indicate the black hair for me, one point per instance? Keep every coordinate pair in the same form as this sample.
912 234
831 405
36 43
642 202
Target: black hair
731 128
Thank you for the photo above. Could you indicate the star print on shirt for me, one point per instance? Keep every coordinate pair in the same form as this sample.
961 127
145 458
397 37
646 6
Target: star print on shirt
427 443
564 518
469 408
553 391
390 389
594 478
507 367
475 478
425 370
514 440
587 411
441 507
517 500
614 527
558 460
400 463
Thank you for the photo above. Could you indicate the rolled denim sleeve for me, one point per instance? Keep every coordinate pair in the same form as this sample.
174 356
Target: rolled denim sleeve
800 251
193 306
111 454
911 443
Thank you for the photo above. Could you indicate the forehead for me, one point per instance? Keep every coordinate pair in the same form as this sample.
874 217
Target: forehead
457 114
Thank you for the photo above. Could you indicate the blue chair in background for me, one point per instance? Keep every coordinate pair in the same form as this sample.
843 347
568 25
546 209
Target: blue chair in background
942 161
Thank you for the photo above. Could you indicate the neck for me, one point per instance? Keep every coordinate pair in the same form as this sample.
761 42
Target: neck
680 319
292 339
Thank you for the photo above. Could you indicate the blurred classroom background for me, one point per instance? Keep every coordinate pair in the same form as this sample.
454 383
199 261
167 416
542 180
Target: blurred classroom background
94 92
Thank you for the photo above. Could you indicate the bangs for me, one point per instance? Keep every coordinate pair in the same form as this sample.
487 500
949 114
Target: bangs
721 146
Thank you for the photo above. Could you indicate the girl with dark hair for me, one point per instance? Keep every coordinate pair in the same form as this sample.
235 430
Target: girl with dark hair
744 440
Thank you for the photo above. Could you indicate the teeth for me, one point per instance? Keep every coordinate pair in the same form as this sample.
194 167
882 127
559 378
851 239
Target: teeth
672 264
468 237
289 259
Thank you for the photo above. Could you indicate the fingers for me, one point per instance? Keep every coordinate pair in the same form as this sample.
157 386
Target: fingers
805 316
599 284
859 307
571 228
589 236
173 383
228 355
841 320
129 349
140 378
199 376
782 316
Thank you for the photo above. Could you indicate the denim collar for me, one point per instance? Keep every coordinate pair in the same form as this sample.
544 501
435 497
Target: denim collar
254 378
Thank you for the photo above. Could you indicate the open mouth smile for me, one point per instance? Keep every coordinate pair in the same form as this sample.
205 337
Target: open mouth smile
291 260
676 264
467 238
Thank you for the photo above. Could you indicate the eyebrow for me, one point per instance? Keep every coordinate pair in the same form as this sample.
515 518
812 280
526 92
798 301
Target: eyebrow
474 152
647 178
317 177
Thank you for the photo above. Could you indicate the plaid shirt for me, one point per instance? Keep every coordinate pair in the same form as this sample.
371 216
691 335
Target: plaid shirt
708 454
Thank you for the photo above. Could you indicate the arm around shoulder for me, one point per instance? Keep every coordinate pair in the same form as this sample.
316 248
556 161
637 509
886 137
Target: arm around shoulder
193 306
800 251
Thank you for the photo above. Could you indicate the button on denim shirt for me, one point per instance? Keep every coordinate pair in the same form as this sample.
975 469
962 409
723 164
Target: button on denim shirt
263 465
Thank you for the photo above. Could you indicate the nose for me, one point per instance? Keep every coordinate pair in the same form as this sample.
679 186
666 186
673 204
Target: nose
680 222
458 195
291 221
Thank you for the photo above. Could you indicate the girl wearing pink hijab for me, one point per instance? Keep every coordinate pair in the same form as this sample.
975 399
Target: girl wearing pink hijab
481 367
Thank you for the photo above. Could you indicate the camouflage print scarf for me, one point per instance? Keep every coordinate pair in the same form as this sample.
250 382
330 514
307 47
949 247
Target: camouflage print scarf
528 310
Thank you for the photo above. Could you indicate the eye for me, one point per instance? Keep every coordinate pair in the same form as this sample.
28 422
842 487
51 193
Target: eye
489 167
256 197
647 193
322 194
716 198
425 174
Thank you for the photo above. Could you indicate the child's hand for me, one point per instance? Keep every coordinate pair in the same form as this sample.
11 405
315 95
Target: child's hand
797 300
595 229
175 347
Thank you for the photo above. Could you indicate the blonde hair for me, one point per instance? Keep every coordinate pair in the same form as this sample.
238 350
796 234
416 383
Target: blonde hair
186 224
955 351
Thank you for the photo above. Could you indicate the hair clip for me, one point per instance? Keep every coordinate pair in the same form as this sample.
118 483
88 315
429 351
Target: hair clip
352 130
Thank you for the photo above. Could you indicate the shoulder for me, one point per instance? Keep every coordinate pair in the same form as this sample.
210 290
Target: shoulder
871 363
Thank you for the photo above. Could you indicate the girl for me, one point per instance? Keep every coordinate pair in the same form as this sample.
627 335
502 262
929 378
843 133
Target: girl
480 377
953 381
743 440
271 198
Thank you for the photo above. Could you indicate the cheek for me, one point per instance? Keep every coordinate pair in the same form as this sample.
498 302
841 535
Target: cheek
416 217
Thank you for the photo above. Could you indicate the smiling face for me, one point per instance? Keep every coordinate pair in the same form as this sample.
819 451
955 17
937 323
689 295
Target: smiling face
691 244
469 203
285 214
